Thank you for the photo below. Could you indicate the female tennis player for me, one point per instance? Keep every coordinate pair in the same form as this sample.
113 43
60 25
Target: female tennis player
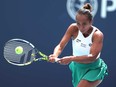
88 69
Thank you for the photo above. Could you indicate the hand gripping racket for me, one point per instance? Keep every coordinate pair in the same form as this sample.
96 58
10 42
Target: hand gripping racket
21 52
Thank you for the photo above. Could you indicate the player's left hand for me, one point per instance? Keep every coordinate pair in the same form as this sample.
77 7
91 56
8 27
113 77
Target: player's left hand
65 60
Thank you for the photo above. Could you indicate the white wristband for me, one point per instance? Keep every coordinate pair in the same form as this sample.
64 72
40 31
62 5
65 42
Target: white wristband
57 59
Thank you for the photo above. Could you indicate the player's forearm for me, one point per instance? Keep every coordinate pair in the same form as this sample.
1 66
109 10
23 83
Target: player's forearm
84 59
57 50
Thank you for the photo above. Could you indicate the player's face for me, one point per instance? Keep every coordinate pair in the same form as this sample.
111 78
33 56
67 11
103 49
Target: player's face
83 23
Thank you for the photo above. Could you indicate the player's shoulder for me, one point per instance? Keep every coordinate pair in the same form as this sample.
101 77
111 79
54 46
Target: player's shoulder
72 29
98 33
73 26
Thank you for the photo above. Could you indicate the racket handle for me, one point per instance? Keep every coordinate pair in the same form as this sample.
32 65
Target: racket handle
57 59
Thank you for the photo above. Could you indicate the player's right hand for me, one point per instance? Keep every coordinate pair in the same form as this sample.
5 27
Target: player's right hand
52 58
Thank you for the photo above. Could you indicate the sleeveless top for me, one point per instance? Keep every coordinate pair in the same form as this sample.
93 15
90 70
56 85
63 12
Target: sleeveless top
81 45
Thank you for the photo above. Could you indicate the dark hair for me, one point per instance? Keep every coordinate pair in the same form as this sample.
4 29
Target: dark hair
86 10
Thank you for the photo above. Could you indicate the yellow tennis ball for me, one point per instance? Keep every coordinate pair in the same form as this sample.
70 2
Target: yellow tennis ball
19 50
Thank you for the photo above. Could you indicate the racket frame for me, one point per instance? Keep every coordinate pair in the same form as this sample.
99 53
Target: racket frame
43 56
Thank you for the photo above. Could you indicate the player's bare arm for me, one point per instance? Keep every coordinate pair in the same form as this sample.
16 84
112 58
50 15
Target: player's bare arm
67 36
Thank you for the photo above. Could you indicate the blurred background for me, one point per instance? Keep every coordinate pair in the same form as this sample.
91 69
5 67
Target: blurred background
43 23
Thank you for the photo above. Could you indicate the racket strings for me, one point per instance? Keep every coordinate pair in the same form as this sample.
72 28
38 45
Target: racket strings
11 56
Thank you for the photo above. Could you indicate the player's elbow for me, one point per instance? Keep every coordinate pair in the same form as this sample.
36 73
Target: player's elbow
92 57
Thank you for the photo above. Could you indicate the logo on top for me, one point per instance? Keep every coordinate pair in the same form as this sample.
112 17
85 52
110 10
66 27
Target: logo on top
74 5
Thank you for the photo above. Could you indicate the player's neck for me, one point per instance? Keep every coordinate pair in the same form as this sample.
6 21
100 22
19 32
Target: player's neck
86 34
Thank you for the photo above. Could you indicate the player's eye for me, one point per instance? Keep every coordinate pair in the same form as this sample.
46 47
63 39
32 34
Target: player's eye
78 23
84 23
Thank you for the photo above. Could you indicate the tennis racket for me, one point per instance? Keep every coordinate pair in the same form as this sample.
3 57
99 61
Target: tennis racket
20 52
